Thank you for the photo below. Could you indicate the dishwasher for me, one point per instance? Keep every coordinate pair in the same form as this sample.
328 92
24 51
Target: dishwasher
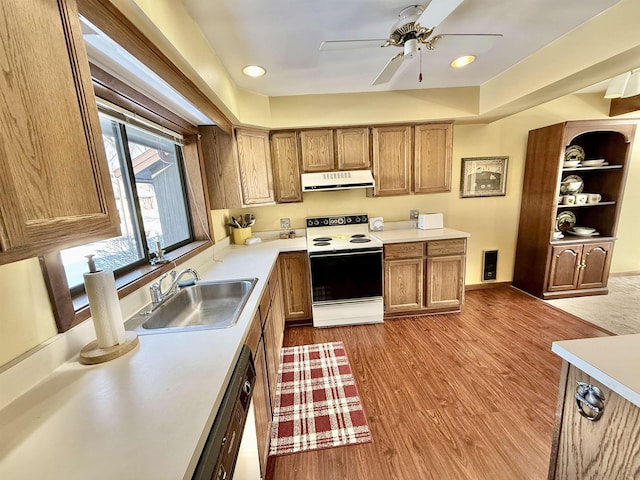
230 451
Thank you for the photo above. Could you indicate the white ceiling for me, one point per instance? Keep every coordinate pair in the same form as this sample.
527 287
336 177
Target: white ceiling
284 36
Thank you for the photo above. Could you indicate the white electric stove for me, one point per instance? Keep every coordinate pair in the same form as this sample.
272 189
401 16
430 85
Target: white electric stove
346 271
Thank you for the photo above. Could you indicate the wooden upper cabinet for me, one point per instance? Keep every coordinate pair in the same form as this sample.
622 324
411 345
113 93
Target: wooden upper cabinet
254 159
317 150
55 188
286 165
220 158
432 158
392 156
353 151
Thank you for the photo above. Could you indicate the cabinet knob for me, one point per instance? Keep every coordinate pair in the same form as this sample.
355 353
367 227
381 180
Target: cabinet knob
590 401
582 265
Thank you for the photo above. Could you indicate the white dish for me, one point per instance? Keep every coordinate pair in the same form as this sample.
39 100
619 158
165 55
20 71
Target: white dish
574 152
571 163
592 234
583 230
593 163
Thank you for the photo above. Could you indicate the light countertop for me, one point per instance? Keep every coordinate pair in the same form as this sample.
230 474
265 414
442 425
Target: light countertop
613 361
144 415
401 235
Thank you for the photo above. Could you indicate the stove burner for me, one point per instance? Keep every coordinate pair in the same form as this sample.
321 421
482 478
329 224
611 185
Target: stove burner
359 240
322 239
321 244
358 235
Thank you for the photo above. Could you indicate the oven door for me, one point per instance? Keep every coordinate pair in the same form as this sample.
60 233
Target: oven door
344 276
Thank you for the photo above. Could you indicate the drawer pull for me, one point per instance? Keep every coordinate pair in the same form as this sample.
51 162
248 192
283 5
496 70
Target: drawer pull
592 398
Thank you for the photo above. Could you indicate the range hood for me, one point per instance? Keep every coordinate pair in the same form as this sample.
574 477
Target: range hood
314 182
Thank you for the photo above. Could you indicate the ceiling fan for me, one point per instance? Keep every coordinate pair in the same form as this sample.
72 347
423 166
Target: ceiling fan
413 31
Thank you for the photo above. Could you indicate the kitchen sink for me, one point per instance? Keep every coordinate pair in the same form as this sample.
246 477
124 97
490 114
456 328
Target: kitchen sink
203 306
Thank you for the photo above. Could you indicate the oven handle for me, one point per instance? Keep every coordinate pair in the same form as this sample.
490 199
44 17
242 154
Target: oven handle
349 253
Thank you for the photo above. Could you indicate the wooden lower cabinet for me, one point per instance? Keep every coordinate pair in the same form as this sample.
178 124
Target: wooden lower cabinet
424 276
606 448
295 285
262 407
575 267
445 282
265 341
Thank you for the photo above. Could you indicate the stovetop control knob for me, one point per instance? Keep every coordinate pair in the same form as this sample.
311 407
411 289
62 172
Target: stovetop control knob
341 221
316 223
349 220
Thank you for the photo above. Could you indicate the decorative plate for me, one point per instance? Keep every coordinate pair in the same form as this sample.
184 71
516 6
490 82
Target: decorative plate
565 221
592 234
571 185
574 152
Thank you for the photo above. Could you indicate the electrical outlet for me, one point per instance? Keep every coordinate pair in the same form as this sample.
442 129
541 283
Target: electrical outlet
285 223
413 214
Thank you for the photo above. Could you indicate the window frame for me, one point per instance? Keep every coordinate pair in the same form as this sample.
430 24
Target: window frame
70 309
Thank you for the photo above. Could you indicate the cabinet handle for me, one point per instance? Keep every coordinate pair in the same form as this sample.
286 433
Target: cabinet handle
582 265
591 397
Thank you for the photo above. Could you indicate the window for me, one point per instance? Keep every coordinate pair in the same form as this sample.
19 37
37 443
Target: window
146 168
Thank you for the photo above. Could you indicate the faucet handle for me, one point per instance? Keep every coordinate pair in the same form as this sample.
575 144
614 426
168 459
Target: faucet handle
173 274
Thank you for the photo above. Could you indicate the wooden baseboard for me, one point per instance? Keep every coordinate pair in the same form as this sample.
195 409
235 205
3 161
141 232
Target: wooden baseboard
483 286
624 274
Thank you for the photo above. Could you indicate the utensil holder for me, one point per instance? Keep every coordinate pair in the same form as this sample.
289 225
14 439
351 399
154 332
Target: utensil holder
240 235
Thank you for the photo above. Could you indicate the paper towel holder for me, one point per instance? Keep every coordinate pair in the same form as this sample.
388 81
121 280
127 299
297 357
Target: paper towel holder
92 354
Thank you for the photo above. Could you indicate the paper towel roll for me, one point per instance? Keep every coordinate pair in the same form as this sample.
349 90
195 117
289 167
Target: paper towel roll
105 308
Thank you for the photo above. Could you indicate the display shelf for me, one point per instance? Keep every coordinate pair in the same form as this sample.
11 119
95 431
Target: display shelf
586 169
599 204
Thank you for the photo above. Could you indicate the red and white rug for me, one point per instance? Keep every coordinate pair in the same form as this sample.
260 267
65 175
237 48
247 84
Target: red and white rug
317 403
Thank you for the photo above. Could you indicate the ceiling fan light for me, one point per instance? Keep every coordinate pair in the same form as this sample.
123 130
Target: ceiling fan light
410 47
463 61
617 86
253 71
633 85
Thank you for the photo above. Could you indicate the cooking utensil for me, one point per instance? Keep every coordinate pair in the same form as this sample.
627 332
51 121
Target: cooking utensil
247 220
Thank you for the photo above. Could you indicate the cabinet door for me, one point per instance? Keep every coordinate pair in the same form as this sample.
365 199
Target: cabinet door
445 281
317 150
403 285
563 274
55 189
594 265
254 159
272 350
392 156
353 148
432 158
286 166
262 407
296 285
220 156
603 449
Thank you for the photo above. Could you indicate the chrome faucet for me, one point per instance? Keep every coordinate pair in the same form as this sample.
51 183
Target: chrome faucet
155 289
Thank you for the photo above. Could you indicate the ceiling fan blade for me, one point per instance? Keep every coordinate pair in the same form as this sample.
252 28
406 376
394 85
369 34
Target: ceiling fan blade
348 44
437 11
465 42
389 69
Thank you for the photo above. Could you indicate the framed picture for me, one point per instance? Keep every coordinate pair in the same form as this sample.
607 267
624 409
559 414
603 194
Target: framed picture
483 177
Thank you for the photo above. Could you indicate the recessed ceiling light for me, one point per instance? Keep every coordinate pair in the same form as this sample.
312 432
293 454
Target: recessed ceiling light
253 71
462 61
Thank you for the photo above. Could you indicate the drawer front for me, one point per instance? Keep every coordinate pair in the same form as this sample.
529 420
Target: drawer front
394 251
446 247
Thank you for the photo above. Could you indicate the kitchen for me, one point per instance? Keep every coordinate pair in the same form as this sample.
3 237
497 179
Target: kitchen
492 222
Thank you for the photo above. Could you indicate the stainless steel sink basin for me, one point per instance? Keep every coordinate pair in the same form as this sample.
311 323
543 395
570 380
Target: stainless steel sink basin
205 305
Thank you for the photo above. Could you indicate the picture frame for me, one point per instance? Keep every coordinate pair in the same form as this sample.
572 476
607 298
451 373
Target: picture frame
483 177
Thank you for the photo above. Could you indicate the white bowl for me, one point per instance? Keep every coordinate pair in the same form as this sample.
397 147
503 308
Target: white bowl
571 163
583 230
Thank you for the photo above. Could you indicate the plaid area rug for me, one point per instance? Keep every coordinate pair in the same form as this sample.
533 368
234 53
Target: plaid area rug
317 403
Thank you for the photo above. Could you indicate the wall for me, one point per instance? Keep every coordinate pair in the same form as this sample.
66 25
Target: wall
492 221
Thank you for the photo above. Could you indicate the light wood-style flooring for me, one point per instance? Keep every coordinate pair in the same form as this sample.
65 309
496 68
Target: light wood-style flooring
460 396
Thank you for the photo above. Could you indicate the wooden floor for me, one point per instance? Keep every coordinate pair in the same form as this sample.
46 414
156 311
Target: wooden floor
461 396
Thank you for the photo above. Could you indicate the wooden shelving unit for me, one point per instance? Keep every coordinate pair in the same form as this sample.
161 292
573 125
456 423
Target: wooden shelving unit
551 267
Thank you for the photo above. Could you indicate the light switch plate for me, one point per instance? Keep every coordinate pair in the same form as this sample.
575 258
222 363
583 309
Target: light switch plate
285 223
413 214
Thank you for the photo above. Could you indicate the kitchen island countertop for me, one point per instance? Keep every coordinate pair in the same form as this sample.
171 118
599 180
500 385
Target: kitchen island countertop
613 361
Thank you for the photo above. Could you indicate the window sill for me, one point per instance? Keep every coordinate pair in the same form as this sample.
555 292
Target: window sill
135 279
